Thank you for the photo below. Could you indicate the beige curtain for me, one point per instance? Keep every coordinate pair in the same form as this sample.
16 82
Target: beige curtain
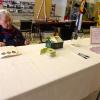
42 8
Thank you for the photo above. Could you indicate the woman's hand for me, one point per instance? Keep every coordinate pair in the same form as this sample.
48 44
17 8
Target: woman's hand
2 44
27 42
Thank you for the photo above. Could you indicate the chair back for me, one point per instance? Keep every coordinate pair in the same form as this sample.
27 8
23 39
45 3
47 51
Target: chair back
26 25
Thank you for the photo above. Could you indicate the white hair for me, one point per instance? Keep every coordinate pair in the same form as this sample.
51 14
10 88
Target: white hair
5 12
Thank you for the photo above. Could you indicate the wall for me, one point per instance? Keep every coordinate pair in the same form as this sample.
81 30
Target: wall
96 0
60 7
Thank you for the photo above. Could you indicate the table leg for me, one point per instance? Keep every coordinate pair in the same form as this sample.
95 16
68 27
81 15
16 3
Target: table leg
40 35
98 96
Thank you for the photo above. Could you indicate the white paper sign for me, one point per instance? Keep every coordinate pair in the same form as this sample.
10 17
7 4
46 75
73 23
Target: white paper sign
95 35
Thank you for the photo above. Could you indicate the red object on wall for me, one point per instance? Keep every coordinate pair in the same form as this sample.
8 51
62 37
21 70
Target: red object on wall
1 1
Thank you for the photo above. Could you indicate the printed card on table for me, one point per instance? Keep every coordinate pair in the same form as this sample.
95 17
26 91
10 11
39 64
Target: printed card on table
9 51
95 35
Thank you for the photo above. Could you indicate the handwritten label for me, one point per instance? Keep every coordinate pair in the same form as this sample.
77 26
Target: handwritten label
95 35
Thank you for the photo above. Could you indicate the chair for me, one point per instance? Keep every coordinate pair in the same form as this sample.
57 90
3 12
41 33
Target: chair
26 27
66 30
35 29
46 29
98 96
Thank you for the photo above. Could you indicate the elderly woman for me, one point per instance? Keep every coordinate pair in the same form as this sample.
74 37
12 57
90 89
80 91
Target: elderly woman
9 35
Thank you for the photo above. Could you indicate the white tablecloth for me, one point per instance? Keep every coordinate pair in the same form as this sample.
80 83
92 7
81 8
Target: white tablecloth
32 76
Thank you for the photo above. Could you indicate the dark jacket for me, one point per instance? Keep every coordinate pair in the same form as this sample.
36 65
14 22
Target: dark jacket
11 36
